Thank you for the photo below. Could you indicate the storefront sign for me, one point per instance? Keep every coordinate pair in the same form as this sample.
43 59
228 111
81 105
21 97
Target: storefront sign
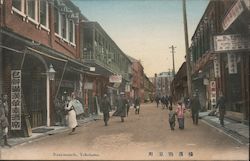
231 42
115 79
216 66
88 85
232 15
232 63
213 93
16 100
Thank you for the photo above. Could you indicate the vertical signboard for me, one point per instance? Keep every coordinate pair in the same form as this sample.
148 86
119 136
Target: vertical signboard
16 100
213 93
216 66
232 63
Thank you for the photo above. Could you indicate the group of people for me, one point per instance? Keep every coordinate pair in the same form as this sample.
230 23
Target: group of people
122 107
166 101
195 107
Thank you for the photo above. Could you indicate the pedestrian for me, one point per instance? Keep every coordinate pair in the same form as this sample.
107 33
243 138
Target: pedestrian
170 100
157 100
4 121
128 106
72 122
180 114
121 107
171 118
166 101
137 105
195 108
222 107
105 107
163 102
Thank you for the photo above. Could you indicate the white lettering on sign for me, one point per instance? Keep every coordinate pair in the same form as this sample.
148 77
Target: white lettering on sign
232 15
115 79
232 63
16 100
231 42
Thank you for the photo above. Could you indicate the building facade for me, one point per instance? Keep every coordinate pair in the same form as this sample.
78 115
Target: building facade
220 57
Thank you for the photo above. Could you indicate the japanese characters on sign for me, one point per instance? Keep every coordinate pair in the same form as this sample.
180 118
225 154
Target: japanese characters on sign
115 79
231 42
232 15
16 100
216 67
213 93
232 63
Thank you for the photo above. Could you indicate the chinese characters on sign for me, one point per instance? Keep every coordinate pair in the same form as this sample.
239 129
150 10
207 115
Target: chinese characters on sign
231 42
171 154
16 100
232 15
213 93
216 67
232 63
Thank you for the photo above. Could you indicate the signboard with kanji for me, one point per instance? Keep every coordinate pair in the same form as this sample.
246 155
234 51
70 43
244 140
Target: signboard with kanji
232 63
213 93
16 100
115 79
216 67
231 42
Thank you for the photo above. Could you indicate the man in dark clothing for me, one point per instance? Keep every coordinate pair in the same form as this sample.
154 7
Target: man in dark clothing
137 105
121 107
105 107
195 108
222 108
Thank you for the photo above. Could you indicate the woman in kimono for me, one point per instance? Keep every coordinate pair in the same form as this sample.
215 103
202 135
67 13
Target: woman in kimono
72 122
180 114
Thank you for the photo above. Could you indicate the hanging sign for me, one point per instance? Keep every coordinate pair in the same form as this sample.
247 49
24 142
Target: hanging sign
115 79
16 100
213 93
232 63
231 42
216 66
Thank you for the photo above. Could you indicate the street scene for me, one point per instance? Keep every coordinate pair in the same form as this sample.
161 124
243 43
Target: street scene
145 136
124 80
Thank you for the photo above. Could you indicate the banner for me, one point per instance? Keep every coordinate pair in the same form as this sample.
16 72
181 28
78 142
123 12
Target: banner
232 63
16 99
213 93
216 66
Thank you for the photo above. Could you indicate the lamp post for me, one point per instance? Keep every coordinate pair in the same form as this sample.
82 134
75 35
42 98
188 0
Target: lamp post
50 77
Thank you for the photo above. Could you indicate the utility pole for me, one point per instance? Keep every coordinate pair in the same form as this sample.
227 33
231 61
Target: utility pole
172 51
189 82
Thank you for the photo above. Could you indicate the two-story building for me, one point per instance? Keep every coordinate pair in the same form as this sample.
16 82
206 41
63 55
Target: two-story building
39 39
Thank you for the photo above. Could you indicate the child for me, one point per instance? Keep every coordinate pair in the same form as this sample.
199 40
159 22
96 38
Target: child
171 118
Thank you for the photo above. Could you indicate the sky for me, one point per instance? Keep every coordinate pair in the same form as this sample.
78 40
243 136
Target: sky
145 29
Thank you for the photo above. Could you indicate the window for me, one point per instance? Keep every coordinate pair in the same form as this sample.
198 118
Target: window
63 26
43 12
31 9
71 31
17 4
56 15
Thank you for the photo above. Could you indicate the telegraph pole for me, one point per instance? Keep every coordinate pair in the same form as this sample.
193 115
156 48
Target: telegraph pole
189 82
172 51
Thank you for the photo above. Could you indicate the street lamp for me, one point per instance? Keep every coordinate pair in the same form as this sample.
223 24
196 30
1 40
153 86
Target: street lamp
51 72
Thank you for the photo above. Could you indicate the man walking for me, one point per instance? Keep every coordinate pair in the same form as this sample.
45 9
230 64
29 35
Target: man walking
222 108
195 108
105 107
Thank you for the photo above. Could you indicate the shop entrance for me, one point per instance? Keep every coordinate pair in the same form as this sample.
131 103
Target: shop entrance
34 90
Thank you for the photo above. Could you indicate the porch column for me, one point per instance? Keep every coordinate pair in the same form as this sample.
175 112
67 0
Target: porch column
48 100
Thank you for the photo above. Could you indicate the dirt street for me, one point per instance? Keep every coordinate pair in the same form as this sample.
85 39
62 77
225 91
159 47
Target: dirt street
146 136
